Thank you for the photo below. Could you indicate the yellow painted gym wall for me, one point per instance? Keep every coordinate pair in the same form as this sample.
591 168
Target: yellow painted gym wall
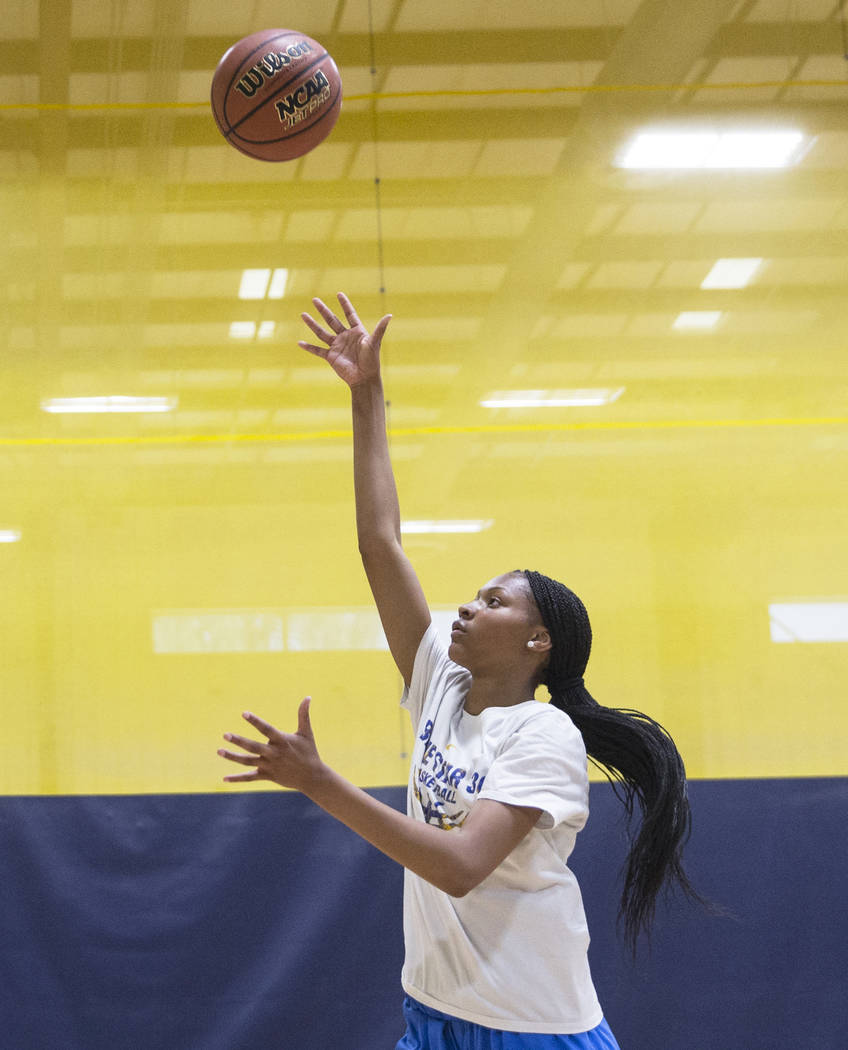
163 572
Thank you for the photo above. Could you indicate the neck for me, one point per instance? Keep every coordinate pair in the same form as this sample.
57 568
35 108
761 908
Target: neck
497 691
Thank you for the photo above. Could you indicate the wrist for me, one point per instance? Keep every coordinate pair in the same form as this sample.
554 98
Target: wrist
365 389
368 401
319 785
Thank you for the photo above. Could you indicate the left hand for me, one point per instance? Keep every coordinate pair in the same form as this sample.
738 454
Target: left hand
288 759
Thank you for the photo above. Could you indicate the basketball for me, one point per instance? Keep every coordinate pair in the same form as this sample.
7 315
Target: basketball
276 94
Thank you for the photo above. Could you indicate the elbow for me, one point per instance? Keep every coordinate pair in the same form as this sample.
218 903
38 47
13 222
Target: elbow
456 888
459 890
373 548
463 866
458 881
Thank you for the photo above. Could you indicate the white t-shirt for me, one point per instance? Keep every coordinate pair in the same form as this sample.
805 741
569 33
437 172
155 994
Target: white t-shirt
512 953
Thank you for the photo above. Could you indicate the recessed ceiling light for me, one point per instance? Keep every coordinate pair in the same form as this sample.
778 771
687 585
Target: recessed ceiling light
810 621
109 404
710 149
254 284
277 287
755 149
242 329
584 397
466 525
9 535
731 273
698 319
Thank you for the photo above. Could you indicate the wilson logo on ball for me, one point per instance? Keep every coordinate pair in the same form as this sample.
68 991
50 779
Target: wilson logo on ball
268 67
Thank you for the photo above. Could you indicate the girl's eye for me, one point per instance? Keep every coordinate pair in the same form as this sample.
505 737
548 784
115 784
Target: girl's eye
493 601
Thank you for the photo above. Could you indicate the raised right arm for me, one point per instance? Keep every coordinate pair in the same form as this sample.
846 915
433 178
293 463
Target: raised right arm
355 356
397 592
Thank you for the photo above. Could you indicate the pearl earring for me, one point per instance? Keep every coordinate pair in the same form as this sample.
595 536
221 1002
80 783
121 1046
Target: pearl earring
530 645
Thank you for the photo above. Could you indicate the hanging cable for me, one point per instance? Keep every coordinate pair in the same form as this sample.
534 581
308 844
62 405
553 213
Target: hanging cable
375 138
844 29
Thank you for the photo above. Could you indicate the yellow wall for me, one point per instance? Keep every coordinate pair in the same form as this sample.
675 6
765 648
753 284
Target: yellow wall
677 542
516 256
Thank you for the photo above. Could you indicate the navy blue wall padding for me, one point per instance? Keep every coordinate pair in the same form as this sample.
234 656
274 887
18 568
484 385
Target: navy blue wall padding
194 922
228 922
773 852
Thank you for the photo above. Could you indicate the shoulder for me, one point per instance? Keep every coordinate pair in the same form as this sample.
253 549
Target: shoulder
540 729
540 761
543 718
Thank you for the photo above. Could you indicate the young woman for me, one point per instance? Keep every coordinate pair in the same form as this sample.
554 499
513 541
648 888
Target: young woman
496 938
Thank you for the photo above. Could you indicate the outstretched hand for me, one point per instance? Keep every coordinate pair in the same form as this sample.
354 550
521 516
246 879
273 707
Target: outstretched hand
352 352
288 759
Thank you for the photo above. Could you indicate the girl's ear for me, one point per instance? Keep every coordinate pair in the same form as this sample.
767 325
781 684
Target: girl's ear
541 641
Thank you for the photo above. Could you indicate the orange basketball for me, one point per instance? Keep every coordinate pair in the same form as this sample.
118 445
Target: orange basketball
276 94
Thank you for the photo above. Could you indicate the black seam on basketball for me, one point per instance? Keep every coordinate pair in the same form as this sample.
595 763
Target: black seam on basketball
278 89
292 135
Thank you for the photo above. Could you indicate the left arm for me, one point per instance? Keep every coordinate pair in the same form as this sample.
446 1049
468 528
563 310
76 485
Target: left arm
453 861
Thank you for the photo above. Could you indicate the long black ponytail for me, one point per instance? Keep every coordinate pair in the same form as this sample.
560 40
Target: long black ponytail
637 755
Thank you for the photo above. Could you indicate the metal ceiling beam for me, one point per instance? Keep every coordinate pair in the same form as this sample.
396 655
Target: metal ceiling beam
660 44
743 39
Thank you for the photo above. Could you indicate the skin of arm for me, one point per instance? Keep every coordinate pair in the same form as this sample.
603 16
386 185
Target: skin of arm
398 595
354 355
454 861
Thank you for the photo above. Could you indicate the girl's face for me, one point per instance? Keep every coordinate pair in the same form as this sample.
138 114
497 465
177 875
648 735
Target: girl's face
494 629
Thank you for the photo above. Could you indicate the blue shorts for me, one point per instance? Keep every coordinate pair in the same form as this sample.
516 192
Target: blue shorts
427 1029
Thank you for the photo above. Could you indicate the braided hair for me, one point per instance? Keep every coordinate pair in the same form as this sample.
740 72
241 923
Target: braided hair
636 754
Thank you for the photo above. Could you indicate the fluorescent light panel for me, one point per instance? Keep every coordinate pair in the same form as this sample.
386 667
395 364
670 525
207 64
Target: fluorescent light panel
337 628
697 319
466 525
552 398
277 287
109 404
731 273
256 284
709 149
9 535
813 621
249 330
242 330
